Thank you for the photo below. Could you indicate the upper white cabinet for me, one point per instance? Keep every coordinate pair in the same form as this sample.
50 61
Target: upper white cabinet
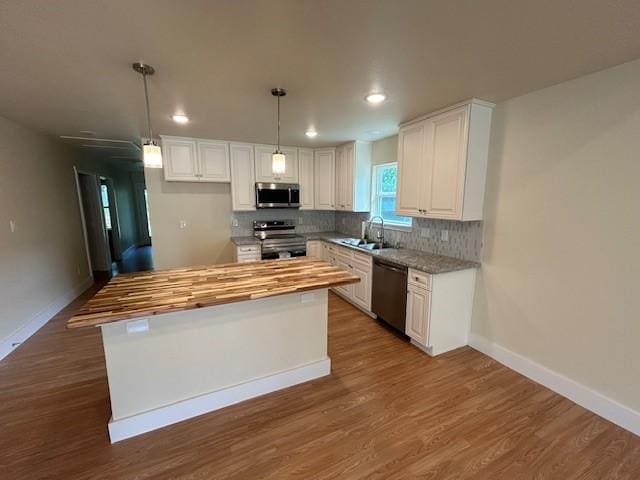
306 174
213 158
264 171
442 163
195 160
243 180
324 178
353 177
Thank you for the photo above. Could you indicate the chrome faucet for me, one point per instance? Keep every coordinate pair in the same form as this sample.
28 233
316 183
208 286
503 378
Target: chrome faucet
380 234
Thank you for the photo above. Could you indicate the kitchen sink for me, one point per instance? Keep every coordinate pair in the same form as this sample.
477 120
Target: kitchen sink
361 243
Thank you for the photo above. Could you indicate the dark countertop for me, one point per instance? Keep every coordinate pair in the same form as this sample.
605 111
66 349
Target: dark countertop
423 261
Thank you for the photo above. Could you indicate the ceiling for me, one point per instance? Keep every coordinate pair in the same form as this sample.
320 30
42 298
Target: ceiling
66 64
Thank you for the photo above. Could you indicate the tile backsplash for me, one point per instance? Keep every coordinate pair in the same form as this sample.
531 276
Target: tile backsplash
307 221
465 238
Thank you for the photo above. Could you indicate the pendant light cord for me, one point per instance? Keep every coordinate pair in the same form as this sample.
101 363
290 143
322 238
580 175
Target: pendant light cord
146 97
278 150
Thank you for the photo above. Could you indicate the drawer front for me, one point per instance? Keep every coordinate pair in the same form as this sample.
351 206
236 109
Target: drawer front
244 249
419 279
362 259
248 258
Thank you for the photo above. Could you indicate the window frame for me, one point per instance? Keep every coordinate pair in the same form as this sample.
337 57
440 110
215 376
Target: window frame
377 195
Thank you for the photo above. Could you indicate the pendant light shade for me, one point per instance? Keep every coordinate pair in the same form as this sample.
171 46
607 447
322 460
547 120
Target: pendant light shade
152 155
278 163
278 159
151 152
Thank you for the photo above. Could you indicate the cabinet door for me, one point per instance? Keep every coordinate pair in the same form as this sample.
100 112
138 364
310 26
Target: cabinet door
418 312
213 161
243 195
362 290
324 178
180 159
446 153
340 179
314 249
264 170
348 169
411 171
343 263
305 173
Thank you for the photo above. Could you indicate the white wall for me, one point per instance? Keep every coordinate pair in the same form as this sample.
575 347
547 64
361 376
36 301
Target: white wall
206 209
44 260
561 255
385 150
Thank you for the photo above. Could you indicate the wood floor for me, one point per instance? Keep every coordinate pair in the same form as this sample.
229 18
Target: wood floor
387 411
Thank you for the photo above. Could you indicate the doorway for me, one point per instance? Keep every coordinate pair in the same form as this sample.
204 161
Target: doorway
93 222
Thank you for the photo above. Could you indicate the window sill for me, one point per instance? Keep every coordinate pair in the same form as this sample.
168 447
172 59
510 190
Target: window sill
392 226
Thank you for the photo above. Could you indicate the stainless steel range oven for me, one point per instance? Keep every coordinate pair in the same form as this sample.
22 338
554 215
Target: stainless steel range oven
277 195
278 239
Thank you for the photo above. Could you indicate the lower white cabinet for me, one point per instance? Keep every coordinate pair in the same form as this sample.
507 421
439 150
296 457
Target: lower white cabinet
314 249
439 309
247 253
359 264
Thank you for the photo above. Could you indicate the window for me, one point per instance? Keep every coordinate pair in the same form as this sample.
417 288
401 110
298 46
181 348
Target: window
104 195
385 178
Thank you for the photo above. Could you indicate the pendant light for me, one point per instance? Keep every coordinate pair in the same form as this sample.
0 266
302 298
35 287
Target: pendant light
278 160
152 155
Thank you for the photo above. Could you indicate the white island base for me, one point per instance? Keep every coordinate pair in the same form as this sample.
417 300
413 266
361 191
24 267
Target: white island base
195 361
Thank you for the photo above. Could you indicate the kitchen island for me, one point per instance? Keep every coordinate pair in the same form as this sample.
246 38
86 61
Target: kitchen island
182 342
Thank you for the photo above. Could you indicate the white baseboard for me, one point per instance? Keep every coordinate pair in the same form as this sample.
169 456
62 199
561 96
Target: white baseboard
192 407
18 337
599 404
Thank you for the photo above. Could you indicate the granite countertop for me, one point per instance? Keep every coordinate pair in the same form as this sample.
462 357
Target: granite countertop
248 240
144 294
423 261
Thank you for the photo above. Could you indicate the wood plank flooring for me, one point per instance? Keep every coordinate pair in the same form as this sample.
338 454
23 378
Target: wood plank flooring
387 412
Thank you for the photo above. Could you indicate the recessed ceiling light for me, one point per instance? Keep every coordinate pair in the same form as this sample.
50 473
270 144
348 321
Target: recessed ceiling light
179 118
376 97
311 133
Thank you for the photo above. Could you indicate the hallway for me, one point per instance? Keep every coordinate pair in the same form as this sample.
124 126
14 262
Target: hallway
139 260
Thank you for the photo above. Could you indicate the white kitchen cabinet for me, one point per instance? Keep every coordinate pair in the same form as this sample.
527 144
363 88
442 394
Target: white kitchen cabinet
438 315
247 253
243 195
442 163
353 177
180 159
195 160
314 249
418 311
213 161
361 266
306 180
264 170
324 178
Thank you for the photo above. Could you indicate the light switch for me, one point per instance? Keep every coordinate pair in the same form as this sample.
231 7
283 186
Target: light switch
183 224
12 225
444 235
138 326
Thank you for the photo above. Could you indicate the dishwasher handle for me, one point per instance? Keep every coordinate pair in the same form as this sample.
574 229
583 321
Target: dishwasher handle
389 266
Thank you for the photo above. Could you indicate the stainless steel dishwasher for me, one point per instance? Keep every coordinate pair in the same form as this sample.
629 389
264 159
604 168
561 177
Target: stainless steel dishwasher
389 293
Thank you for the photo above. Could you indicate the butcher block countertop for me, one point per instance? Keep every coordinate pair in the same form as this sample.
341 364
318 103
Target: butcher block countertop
152 293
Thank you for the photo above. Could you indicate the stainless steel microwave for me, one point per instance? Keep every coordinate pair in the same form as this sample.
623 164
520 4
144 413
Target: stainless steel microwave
277 195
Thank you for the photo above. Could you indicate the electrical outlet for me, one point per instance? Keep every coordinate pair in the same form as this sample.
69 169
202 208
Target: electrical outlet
183 224
234 222
425 233
444 235
138 326
12 225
